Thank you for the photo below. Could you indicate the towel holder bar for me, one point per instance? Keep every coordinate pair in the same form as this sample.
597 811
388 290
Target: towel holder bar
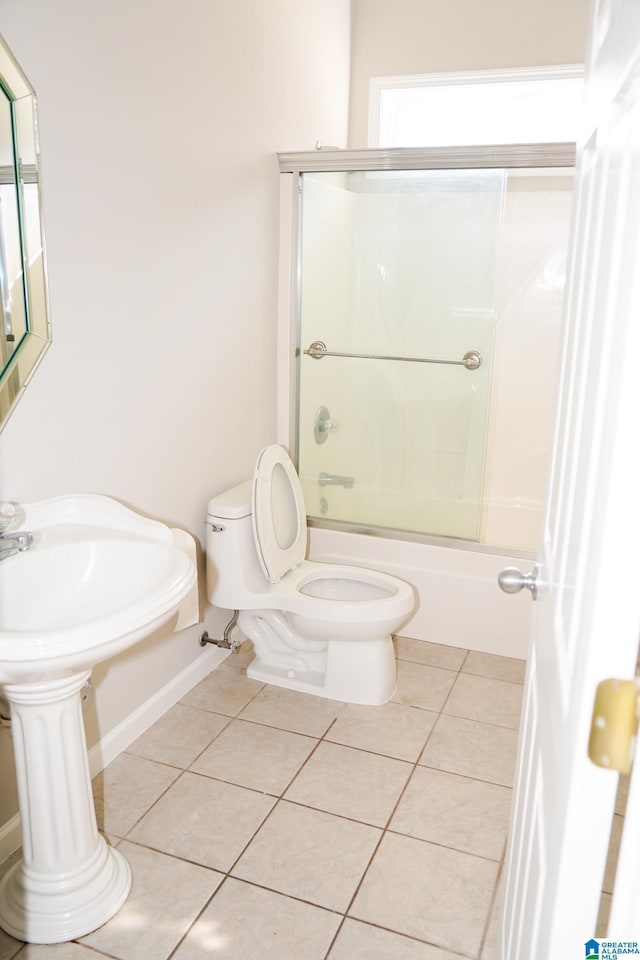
318 349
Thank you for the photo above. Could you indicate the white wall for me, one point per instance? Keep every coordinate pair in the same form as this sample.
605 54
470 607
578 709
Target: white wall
159 124
436 36
526 355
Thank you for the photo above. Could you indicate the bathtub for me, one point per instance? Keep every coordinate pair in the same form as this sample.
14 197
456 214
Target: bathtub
459 601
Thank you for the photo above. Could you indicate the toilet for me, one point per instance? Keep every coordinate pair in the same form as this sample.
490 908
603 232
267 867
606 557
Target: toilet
321 628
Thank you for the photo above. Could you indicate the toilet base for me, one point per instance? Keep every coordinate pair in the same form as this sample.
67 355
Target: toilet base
306 681
357 671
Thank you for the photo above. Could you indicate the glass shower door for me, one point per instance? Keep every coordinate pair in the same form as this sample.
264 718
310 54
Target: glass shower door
398 270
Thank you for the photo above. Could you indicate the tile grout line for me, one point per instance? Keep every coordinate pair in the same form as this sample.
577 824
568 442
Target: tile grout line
323 738
84 946
385 829
494 900
377 847
339 743
187 769
485 929
281 798
453 685
445 846
183 770
228 873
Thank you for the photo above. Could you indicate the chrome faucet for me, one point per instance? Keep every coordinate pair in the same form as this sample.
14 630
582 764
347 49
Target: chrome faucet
13 543
334 479
11 514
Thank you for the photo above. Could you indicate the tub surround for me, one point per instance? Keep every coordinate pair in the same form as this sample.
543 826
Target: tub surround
458 588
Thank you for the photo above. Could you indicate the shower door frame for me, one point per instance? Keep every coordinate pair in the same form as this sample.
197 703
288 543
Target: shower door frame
292 167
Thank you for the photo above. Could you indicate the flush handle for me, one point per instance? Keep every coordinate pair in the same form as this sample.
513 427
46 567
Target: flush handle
512 580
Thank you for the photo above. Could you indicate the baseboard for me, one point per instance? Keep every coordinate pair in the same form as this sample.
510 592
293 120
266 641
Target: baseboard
118 739
10 837
134 725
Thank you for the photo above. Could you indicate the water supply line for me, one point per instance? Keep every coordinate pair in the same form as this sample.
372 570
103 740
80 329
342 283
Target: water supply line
226 643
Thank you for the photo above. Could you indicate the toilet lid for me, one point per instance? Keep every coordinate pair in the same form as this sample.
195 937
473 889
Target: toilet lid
279 515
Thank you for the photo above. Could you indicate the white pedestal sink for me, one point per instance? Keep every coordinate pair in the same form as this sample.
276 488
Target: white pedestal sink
97 579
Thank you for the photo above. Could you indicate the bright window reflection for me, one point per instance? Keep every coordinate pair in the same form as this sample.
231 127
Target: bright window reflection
461 109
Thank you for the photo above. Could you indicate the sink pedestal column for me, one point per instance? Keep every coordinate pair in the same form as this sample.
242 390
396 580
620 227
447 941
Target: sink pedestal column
69 881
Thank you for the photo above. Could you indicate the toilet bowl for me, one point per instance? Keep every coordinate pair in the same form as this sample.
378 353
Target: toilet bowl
321 628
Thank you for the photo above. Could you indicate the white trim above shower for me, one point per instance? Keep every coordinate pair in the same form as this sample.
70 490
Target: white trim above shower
429 158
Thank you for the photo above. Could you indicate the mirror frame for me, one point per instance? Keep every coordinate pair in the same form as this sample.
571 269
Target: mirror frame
36 338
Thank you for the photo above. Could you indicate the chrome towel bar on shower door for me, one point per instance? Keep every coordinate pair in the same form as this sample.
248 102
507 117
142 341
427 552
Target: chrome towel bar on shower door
317 350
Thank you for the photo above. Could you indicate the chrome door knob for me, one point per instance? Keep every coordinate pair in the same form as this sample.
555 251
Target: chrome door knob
512 580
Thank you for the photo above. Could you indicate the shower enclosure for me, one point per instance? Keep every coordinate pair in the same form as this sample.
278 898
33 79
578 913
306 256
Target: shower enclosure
420 333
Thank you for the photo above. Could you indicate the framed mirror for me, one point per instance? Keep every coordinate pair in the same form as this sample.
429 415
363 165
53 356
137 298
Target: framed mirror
25 331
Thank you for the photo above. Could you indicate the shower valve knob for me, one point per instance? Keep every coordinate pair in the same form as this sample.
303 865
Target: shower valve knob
323 425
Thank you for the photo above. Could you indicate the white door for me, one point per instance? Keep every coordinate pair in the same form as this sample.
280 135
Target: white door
587 615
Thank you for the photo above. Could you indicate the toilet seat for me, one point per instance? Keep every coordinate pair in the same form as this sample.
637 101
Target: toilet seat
279 514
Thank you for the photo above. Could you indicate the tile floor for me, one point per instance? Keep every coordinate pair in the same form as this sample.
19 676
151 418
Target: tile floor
263 824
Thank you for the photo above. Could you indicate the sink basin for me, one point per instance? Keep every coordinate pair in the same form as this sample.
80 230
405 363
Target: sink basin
97 579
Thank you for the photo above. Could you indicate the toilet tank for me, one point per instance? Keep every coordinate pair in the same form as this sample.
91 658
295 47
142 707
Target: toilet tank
234 575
